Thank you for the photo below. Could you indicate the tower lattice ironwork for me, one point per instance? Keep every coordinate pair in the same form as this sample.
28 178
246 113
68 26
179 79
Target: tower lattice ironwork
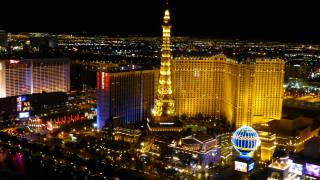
164 102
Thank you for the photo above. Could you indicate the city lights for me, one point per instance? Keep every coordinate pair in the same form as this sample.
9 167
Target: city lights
117 100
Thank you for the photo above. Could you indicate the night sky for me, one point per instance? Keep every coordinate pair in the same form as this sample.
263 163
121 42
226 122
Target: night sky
261 19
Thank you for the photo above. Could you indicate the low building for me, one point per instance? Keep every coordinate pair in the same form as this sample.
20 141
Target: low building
197 151
302 165
127 135
267 146
226 148
291 133
279 168
309 159
41 104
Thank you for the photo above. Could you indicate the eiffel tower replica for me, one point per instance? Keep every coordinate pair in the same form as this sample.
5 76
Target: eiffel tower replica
164 110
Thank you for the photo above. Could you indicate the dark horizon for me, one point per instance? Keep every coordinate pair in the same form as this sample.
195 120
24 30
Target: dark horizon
266 20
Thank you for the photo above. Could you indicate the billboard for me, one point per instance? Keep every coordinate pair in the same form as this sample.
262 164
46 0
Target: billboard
23 115
240 166
296 168
312 169
19 104
23 104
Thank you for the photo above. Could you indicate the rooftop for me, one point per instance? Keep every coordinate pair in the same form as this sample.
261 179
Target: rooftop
203 137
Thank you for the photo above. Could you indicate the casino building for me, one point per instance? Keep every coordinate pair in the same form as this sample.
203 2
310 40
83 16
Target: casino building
125 95
28 76
198 151
245 93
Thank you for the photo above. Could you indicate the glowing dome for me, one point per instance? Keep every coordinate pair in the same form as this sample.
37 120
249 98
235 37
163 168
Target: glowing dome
245 140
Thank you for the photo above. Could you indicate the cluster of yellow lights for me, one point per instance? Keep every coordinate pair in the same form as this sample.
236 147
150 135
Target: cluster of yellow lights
165 73
166 16
164 101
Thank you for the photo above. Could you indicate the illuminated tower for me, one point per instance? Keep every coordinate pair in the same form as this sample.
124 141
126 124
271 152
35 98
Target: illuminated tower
164 103
164 109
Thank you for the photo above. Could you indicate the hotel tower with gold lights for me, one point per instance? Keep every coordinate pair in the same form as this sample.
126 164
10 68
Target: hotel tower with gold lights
164 103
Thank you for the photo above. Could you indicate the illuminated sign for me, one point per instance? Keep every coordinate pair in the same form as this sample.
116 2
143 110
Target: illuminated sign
19 104
23 115
13 61
240 166
26 106
251 166
167 123
23 104
312 169
296 168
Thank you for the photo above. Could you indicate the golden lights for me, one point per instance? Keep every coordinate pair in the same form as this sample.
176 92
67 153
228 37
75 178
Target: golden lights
164 103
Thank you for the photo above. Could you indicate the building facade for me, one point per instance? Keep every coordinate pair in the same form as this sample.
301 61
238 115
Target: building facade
197 151
226 148
244 93
127 95
29 76
268 90
126 135
290 133
267 146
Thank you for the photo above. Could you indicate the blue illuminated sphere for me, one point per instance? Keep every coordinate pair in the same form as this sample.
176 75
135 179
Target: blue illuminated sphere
245 140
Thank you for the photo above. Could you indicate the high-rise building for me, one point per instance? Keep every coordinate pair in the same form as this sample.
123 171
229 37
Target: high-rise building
127 96
268 90
197 85
29 76
245 93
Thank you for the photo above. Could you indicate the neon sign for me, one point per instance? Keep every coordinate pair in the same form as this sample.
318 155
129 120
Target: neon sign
312 169
240 166
296 168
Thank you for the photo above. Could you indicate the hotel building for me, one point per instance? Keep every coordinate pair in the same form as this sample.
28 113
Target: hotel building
29 76
129 95
245 93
